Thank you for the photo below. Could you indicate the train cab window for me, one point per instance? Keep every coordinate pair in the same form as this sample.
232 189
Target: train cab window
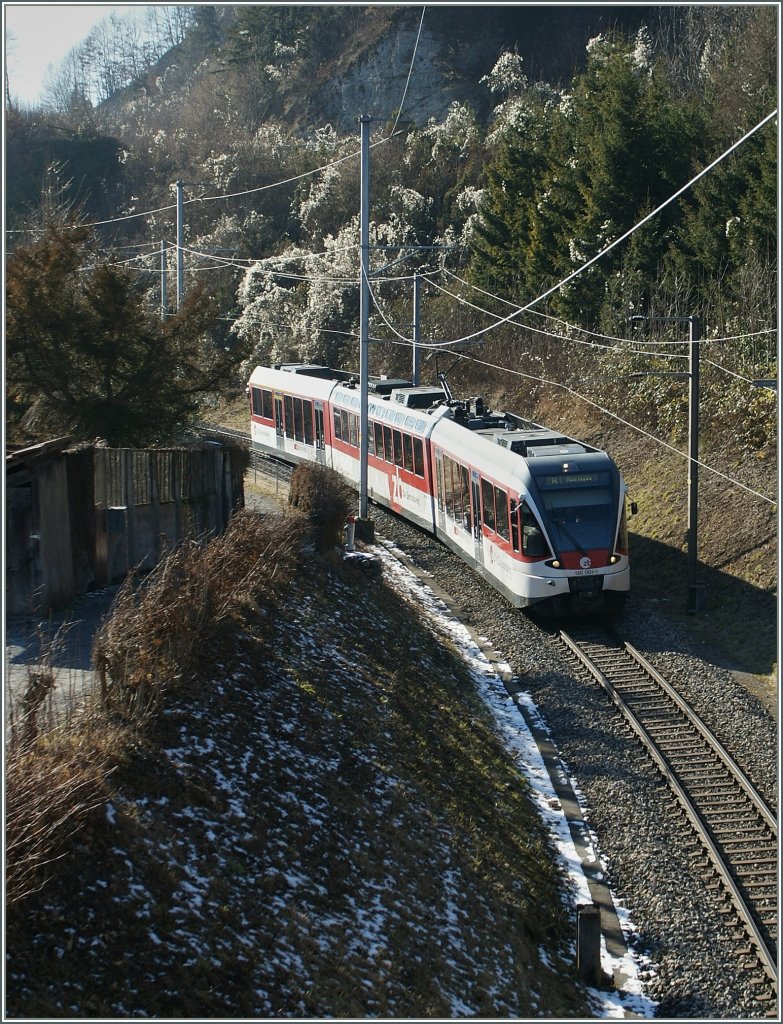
533 543
338 425
256 394
501 513
488 504
387 444
418 457
307 412
397 448
407 452
289 416
515 532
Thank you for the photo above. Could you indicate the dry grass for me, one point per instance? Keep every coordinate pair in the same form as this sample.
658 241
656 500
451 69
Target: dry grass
162 627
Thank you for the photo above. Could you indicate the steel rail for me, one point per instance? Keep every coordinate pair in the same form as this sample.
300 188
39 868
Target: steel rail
763 952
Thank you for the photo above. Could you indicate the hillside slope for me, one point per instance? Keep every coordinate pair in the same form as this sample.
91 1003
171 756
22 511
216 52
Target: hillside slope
323 823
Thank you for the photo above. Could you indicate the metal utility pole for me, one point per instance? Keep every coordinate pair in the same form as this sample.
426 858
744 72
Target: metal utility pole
180 243
695 588
694 591
416 329
164 284
364 310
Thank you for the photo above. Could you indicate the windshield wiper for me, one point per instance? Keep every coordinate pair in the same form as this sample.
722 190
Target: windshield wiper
560 524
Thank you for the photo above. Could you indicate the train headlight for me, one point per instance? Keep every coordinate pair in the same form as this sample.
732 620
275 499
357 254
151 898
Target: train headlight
555 564
614 559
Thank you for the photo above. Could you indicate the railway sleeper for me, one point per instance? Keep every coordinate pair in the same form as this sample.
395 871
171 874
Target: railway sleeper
756 886
745 845
687 744
751 829
730 804
713 792
754 861
746 817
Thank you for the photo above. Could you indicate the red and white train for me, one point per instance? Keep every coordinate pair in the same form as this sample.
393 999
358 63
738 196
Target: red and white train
539 515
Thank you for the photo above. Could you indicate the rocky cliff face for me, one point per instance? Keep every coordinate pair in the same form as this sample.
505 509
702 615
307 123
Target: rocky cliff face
376 83
456 47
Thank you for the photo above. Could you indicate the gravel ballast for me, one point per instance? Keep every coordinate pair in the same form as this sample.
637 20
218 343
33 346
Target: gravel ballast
653 866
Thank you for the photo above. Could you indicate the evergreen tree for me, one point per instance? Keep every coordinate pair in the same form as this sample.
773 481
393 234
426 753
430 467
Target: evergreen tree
88 357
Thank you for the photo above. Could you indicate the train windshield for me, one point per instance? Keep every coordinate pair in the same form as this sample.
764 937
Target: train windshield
581 516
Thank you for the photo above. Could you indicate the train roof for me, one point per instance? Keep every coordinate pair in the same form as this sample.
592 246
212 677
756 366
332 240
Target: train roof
545 451
307 385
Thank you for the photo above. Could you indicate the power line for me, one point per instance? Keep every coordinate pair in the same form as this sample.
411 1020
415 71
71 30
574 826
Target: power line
612 415
410 72
546 333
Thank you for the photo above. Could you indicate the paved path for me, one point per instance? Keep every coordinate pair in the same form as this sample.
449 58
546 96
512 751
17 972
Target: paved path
61 641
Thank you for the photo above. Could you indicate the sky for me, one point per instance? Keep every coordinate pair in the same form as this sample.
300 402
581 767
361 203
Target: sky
38 36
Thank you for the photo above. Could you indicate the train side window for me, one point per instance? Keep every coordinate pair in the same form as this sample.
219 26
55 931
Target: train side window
488 503
371 439
307 412
298 420
501 513
337 425
345 426
378 431
397 448
533 543
353 422
266 405
407 452
257 401
289 416
418 457
439 473
387 444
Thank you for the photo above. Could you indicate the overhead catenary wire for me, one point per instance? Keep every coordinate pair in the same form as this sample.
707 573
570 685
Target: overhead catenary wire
612 415
598 334
548 333
410 72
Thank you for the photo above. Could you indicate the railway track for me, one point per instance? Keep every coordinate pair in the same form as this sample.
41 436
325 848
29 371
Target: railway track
736 828
737 831
258 460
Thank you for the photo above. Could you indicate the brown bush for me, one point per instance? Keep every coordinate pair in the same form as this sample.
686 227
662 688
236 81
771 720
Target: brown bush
161 627
321 495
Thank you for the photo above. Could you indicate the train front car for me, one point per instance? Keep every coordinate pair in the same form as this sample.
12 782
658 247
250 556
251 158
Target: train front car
578 495
539 515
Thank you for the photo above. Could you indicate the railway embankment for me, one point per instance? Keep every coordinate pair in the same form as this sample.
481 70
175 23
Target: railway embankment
298 805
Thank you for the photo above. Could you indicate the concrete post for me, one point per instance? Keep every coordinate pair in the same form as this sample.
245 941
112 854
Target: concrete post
588 944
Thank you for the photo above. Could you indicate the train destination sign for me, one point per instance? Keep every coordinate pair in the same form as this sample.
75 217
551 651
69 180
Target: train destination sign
571 479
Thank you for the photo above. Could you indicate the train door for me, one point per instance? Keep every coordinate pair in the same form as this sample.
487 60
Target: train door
279 421
441 518
320 443
475 490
